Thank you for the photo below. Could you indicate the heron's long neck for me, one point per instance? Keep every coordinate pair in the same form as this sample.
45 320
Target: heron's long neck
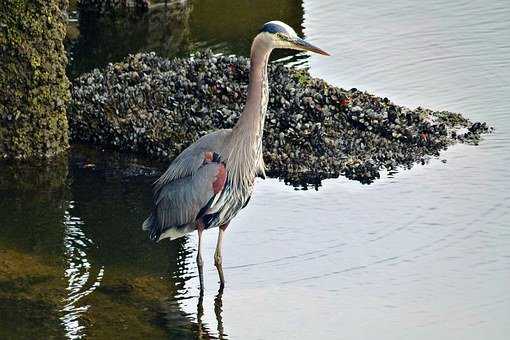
245 148
253 115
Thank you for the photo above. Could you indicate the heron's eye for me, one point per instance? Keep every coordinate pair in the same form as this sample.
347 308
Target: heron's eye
282 37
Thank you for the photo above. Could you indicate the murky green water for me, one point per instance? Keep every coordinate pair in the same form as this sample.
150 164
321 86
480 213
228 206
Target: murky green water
178 29
419 254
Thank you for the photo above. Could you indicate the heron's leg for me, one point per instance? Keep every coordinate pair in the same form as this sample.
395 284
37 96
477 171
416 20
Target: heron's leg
219 245
200 262
217 254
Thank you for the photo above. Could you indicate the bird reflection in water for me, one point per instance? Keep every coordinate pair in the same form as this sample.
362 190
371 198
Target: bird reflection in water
188 314
218 309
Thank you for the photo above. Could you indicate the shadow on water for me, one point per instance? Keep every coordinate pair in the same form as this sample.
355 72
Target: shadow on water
176 29
229 26
74 260
109 38
31 208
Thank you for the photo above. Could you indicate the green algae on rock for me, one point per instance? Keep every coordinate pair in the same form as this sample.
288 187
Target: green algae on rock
313 130
34 90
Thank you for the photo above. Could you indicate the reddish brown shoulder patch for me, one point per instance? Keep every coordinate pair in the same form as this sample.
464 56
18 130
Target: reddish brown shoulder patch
208 157
221 177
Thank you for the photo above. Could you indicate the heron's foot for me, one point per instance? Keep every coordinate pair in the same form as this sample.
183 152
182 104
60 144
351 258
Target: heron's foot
222 278
219 267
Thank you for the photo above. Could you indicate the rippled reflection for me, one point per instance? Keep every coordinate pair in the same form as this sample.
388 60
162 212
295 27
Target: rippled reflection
81 281
193 305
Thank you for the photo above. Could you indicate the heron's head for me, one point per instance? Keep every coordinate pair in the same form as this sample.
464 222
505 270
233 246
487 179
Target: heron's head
281 35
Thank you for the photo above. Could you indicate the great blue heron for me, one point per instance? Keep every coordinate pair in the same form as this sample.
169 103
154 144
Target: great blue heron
212 179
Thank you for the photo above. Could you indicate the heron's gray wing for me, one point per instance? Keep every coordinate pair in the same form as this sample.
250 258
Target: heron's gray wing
180 202
190 160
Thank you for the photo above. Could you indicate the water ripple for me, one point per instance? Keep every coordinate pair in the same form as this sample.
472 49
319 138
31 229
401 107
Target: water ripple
81 281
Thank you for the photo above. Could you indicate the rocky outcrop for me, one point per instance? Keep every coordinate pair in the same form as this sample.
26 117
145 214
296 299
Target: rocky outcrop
34 90
313 130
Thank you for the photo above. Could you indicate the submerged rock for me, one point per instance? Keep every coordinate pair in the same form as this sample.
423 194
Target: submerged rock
313 130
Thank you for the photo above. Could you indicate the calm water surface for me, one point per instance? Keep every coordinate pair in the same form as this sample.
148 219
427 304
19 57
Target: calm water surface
420 254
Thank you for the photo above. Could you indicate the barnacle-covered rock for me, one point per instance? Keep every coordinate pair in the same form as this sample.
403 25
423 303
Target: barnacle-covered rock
313 130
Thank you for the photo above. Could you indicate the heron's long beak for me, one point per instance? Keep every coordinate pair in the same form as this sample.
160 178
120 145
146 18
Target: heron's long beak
304 45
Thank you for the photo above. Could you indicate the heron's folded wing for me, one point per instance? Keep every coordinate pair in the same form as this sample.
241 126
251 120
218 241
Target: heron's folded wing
180 201
191 159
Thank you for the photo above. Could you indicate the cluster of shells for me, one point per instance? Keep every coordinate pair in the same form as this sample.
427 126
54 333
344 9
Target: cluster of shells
150 105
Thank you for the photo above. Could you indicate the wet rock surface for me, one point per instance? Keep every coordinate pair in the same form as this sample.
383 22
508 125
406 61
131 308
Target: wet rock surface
313 130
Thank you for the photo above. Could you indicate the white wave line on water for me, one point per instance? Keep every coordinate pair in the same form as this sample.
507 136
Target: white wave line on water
77 274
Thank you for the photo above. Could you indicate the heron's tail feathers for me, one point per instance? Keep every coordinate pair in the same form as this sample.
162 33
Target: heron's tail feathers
156 233
151 225
174 233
